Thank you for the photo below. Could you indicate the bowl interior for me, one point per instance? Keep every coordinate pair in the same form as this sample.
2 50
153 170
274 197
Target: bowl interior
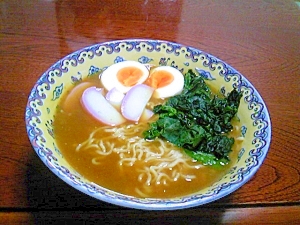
61 77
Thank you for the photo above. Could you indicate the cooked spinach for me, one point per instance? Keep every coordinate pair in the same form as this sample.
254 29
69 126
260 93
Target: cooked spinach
197 121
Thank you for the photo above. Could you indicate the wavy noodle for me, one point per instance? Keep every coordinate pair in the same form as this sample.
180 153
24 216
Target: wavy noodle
158 162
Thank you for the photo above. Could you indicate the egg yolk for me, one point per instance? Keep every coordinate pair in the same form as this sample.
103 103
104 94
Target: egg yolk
160 78
129 76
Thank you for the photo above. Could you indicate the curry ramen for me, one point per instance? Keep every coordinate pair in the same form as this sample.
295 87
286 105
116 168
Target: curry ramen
120 159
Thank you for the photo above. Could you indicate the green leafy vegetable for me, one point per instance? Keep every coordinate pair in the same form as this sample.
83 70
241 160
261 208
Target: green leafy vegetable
197 121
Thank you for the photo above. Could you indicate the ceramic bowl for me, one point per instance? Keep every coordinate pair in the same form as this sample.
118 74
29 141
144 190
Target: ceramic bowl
46 93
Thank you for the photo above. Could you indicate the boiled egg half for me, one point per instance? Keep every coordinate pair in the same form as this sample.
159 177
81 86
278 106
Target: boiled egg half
166 80
124 75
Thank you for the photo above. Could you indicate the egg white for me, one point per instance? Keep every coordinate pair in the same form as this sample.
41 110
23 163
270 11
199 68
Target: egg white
109 76
174 88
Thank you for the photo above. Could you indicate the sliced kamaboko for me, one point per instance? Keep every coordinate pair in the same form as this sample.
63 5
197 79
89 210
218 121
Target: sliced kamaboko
74 96
135 101
95 103
115 97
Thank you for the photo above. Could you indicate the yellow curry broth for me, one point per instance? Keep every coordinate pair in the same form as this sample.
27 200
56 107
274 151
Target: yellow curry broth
73 128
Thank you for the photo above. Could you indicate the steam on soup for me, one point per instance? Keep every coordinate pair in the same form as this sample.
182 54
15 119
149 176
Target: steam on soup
118 157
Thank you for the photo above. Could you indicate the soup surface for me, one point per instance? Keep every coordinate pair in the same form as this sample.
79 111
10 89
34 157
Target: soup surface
118 158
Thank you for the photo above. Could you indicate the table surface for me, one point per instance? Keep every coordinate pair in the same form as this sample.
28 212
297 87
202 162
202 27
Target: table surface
259 38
